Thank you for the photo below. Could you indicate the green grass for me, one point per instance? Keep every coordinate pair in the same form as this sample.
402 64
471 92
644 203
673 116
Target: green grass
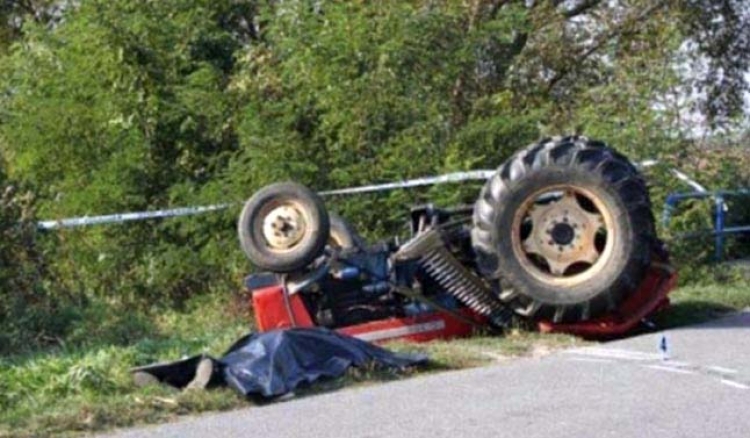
88 387
698 303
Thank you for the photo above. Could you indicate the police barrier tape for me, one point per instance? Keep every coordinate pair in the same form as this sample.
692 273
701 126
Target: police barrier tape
189 211
474 175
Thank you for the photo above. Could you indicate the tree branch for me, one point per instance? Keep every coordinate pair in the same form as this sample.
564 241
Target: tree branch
617 31
581 8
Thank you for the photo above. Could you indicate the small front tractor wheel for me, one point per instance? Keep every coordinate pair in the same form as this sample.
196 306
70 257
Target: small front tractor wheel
564 230
283 227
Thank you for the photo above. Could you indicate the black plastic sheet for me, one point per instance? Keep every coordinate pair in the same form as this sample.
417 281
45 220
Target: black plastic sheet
275 363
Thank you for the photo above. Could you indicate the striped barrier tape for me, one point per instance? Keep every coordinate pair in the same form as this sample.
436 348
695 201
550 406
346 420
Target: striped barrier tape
126 217
117 218
474 175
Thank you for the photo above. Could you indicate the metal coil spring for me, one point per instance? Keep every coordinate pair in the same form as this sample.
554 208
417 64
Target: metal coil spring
452 276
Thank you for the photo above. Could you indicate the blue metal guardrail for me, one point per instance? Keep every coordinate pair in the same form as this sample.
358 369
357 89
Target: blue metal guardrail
720 230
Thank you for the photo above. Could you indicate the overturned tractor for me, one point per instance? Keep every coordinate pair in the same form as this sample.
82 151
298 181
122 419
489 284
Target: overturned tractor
561 235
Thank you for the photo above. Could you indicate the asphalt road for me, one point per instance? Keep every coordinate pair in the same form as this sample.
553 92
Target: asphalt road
620 389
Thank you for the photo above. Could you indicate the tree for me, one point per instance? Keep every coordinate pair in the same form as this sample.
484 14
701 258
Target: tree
14 13
123 106
718 36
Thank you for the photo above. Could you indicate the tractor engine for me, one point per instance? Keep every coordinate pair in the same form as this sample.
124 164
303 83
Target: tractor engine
357 289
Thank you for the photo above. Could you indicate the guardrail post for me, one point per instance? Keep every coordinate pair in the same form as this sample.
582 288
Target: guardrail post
719 227
669 206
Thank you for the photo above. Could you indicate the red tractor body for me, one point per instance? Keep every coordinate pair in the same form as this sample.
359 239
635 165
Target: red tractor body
272 311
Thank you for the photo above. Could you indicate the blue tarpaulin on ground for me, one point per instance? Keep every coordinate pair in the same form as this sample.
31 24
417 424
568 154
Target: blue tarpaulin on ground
275 363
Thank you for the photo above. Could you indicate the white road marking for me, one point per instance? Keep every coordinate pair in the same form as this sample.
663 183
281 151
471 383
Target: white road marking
722 370
734 384
659 362
590 359
677 364
613 353
670 369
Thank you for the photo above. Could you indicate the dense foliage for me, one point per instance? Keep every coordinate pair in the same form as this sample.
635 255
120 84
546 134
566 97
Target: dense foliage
25 300
119 105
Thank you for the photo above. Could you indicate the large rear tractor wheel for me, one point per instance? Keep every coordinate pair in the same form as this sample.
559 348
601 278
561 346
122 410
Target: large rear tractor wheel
283 227
564 230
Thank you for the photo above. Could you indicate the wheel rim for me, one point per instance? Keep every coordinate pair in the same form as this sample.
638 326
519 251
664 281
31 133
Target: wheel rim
563 235
284 224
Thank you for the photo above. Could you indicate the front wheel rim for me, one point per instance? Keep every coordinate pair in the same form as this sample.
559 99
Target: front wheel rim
284 224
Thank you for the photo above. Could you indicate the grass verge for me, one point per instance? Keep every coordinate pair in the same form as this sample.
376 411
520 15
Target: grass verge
88 388
698 303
